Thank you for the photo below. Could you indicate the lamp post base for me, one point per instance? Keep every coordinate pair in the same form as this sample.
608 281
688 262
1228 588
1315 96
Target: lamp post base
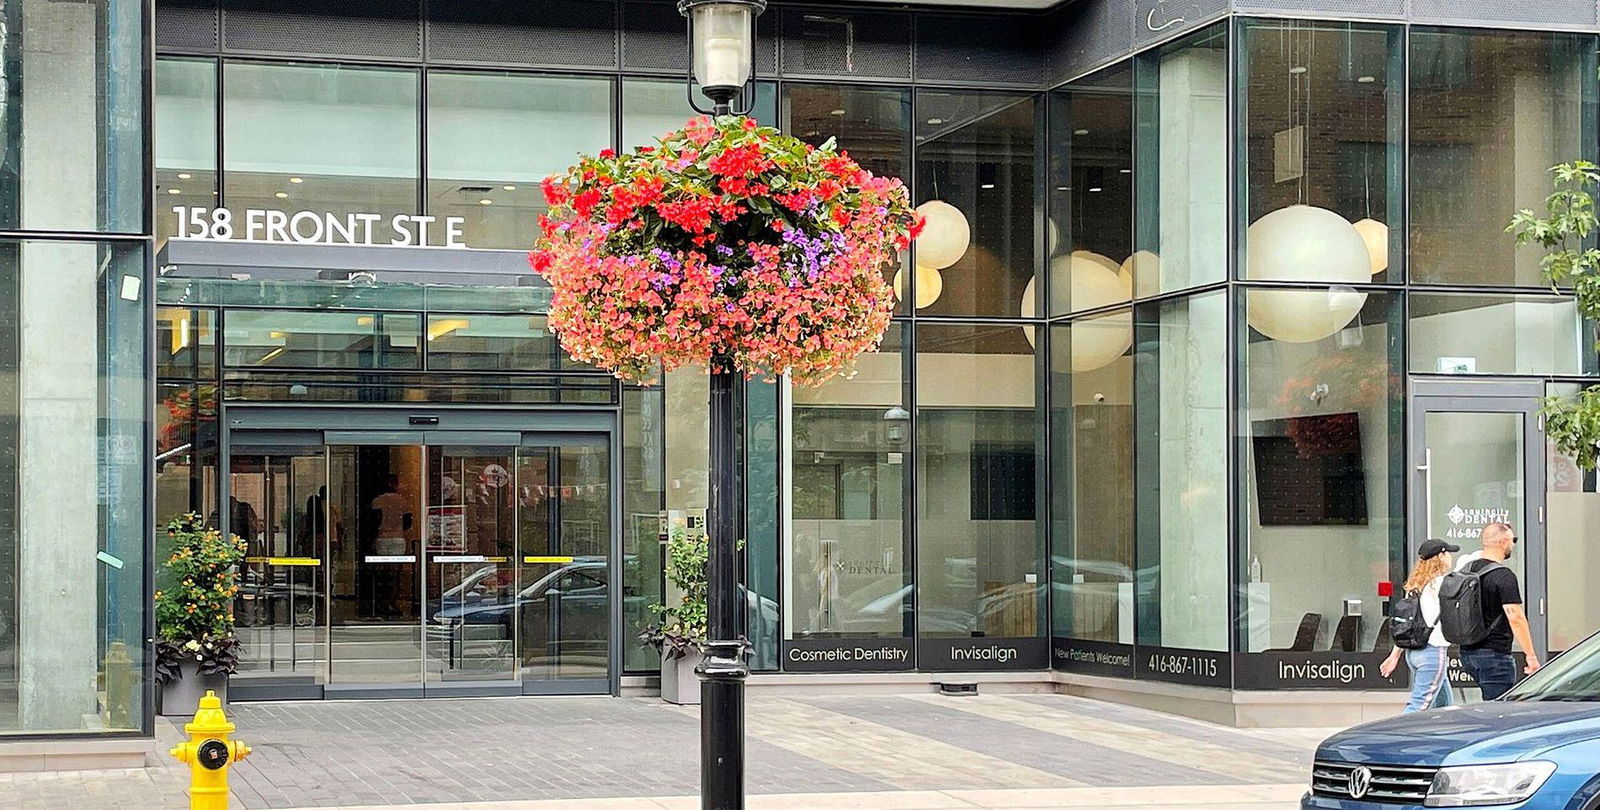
722 675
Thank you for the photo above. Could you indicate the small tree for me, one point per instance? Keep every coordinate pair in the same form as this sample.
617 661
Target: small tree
1573 423
194 615
682 626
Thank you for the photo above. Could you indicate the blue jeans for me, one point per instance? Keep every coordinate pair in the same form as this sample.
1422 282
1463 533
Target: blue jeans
1495 672
1430 678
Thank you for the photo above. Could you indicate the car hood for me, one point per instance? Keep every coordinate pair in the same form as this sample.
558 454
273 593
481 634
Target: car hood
1498 731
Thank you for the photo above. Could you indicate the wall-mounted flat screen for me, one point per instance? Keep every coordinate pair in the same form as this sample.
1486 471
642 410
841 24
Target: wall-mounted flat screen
1308 470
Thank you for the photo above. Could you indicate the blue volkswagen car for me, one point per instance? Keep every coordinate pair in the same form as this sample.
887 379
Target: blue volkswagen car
1536 748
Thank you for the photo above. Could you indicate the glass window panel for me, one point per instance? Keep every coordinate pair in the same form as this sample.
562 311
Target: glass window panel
490 343
73 117
975 153
185 138
643 498
850 571
186 343
72 439
653 107
1089 233
493 137
873 124
761 553
291 339
1494 334
1092 478
1319 488
320 138
1181 430
1322 122
979 553
1573 507
1181 162
1490 113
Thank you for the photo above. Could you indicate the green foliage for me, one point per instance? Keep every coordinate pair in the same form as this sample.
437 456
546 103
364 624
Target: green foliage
1574 425
1570 219
194 615
1570 260
682 626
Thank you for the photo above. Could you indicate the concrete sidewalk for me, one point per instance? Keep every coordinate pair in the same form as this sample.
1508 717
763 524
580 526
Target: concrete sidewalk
1187 797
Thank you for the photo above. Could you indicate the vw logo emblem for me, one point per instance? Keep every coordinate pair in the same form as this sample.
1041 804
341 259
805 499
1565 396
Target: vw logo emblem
1360 781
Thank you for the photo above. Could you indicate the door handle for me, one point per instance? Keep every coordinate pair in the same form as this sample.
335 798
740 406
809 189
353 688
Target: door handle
1426 468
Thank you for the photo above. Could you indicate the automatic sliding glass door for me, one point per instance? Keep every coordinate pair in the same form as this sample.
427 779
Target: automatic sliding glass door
385 563
277 505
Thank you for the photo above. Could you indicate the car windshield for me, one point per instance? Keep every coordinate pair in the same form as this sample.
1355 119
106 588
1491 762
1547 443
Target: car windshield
1572 675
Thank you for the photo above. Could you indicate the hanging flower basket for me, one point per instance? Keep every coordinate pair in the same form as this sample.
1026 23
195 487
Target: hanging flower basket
726 244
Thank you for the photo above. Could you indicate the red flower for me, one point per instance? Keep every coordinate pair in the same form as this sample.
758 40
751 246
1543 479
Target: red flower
554 193
607 154
585 201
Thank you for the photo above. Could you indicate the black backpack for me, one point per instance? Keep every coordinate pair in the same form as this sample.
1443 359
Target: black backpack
1461 606
1406 625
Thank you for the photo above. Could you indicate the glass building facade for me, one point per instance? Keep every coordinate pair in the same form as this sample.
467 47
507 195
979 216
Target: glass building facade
1234 327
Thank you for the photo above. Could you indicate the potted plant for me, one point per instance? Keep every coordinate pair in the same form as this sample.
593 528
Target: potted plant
196 647
682 627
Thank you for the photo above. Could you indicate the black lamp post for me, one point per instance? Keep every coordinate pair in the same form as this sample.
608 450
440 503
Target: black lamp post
722 37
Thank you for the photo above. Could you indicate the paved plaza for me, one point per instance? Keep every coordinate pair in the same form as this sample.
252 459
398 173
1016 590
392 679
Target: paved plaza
909 752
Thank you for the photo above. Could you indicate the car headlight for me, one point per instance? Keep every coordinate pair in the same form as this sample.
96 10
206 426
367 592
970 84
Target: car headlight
1474 785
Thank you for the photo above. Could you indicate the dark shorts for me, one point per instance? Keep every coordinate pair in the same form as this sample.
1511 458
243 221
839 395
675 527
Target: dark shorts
1495 672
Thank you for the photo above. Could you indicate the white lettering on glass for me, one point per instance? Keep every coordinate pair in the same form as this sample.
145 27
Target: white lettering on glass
311 227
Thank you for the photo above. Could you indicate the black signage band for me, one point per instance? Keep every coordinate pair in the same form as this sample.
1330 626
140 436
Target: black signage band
983 654
847 655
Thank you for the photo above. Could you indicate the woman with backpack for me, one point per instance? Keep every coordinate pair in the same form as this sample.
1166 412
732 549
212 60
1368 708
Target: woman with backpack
1414 624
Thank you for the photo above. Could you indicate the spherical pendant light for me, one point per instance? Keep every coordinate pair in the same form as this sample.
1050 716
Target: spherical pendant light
1376 235
1142 264
945 235
1096 342
929 285
1304 243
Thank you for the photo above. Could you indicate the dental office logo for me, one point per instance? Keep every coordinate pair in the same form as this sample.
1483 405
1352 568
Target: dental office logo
1468 523
315 227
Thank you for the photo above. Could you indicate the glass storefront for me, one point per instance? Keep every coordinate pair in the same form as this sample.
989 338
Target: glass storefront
1157 417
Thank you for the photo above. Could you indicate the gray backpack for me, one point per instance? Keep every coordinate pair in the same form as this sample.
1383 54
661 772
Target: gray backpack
1461 614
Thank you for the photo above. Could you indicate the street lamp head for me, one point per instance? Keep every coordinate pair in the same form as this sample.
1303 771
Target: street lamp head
722 36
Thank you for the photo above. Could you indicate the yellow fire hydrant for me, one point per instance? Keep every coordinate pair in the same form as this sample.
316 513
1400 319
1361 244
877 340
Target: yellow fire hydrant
209 754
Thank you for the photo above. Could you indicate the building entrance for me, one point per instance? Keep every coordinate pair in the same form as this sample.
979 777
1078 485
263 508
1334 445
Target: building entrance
405 563
1479 457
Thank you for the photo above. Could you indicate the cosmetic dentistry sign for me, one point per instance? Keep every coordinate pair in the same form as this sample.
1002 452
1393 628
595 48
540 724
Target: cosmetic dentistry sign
316 227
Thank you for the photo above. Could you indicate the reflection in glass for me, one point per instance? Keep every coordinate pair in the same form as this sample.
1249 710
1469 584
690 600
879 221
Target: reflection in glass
1316 486
1181 430
762 552
975 154
493 137
564 606
1181 162
1490 112
643 498
1572 500
1452 333
653 107
185 138
278 504
290 339
1322 127
850 571
471 573
1091 456
322 138
490 343
73 117
1475 477
73 400
1089 232
979 551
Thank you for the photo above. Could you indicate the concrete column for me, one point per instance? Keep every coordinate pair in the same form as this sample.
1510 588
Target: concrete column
58 380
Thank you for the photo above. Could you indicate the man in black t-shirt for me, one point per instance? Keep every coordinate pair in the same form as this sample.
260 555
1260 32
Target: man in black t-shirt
1490 660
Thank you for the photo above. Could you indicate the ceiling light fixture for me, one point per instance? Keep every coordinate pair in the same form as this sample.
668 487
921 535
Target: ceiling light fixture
936 121
987 185
509 187
1095 188
184 175
1297 70
1080 132
282 195
1125 171
1366 79
486 201
297 180
174 191
836 111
